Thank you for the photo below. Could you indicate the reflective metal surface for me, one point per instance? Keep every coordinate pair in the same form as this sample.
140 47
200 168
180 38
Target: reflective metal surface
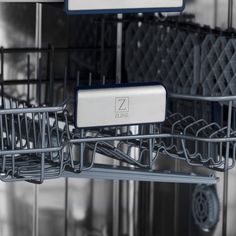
89 207
85 207
51 208
17 199
32 1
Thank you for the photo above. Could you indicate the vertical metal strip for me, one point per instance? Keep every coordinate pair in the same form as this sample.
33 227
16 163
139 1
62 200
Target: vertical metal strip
28 78
151 184
151 208
197 67
66 206
39 84
13 144
2 105
2 75
35 211
51 77
38 44
176 203
67 179
215 12
116 207
38 26
226 173
116 184
67 75
136 207
131 198
38 40
102 47
230 13
82 146
43 146
150 147
119 50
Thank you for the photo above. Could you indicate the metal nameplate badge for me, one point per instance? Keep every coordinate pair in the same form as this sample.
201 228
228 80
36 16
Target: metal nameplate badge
99 107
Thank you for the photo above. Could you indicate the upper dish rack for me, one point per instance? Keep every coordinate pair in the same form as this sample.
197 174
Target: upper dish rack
31 141
40 142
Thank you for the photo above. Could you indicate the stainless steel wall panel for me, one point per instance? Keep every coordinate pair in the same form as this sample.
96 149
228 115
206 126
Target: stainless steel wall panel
210 12
17 29
90 202
89 207
16 199
51 208
32 1
16 209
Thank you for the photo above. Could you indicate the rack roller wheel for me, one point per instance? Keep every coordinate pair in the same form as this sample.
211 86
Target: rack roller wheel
205 207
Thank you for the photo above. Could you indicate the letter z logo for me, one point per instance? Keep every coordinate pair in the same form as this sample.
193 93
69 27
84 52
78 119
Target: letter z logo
122 105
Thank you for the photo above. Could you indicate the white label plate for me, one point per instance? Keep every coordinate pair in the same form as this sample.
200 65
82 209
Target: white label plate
120 106
116 6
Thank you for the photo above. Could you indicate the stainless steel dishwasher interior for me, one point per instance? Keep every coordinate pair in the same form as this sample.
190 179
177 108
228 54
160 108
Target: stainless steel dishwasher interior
86 207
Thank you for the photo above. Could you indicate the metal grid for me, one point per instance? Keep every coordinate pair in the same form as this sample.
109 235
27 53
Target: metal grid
40 141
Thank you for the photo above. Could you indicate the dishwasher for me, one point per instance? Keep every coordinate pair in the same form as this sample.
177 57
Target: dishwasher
115 122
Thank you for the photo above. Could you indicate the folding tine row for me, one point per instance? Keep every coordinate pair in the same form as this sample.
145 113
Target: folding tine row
198 142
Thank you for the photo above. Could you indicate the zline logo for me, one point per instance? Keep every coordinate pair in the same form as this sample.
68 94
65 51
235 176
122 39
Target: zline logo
121 107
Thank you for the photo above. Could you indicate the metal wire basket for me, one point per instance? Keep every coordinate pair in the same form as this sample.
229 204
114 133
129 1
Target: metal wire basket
196 141
32 141
199 142
40 142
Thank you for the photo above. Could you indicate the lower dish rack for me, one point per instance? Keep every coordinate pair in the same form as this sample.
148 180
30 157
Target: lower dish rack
39 143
